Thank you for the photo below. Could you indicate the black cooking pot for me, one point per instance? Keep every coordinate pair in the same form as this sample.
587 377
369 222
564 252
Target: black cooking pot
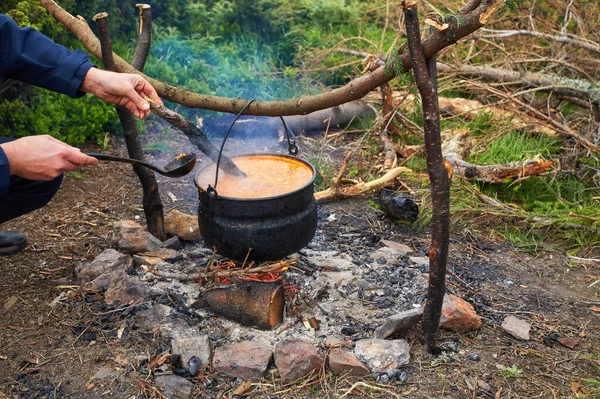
267 228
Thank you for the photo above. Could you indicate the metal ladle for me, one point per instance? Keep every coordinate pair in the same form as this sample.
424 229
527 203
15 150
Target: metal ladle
180 166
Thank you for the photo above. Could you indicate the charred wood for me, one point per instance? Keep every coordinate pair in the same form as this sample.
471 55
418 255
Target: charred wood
255 304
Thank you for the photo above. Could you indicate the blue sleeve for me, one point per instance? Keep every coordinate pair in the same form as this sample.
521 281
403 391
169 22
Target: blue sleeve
4 173
29 56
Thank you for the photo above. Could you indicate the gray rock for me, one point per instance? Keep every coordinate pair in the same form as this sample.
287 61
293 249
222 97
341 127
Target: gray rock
422 280
174 386
158 319
296 358
382 355
329 259
399 323
342 362
103 281
188 347
387 255
246 360
150 318
420 261
107 262
517 328
126 290
397 245
132 238
173 243
166 254
105 375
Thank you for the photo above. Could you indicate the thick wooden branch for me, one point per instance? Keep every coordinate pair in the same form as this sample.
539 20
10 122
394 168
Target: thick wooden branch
144 39
582 89
152 204
360 188
197 137
454 149
565 39
357 88
439 175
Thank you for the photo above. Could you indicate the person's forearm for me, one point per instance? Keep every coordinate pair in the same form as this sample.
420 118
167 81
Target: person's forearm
29 56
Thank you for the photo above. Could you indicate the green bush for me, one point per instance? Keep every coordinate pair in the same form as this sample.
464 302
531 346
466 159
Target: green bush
70 120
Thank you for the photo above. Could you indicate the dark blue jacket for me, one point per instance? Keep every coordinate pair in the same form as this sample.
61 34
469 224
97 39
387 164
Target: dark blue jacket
29 56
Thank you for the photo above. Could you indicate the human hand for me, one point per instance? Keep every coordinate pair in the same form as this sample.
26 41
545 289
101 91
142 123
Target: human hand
129 90
43 157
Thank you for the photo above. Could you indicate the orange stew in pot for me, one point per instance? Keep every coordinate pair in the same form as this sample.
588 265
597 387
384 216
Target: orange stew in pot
267 176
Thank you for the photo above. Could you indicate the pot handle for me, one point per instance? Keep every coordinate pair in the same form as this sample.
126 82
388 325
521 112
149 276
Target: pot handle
292 147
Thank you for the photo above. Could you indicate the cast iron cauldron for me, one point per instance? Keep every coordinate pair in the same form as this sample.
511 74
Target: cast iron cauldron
269 227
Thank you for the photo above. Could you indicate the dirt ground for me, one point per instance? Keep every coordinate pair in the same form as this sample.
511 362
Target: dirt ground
50 348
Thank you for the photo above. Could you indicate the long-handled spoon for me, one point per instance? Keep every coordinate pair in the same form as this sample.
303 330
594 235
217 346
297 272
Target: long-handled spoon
180 166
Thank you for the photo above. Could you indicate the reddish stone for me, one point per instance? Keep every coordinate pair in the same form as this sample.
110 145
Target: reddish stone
131 237
296 358
458 315
182 225
126 291
342 362
245 360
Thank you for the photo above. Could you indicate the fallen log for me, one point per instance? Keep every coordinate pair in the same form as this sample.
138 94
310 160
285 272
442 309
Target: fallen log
498 173
360 188
249 127
470 108
254 304
560 86
563 38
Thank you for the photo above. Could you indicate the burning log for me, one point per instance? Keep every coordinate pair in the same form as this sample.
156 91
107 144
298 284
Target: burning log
256 304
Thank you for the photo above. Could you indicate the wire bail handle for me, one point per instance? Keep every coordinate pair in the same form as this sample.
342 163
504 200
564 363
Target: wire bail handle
292 147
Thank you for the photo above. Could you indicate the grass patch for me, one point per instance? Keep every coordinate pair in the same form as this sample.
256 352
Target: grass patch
515 146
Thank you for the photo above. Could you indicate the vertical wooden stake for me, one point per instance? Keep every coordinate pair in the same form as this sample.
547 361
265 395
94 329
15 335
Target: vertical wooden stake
152 204
440 173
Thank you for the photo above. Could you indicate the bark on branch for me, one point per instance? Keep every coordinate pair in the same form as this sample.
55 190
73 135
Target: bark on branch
439 175
357 88
498 173
582 89
565 39
152 204
360 188
197 137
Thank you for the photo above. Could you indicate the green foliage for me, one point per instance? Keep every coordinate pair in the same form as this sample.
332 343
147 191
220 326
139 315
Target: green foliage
516 146
510 372
70 120
30 13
